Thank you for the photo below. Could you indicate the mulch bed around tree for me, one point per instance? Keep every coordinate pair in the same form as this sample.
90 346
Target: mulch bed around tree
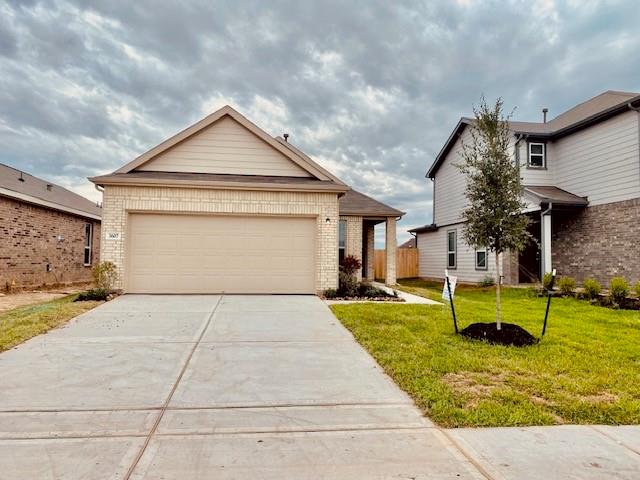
509 334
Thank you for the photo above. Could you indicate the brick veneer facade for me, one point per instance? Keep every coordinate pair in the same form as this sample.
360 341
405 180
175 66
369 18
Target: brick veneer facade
29 243
599 242
120 200
353 240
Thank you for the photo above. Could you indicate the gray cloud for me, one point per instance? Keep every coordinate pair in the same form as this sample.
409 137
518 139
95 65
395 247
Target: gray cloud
370 89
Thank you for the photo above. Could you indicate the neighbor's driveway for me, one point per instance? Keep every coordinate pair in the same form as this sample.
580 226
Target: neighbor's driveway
191 387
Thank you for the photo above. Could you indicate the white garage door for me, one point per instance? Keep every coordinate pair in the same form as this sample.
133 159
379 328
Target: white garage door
215 254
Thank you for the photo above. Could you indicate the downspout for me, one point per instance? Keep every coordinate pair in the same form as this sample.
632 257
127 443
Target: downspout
543 235
637 109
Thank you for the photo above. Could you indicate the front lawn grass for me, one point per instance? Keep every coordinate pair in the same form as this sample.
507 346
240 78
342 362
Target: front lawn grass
20 324
586 369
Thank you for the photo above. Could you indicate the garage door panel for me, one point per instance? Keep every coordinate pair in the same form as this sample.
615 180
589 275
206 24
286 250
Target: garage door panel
212 254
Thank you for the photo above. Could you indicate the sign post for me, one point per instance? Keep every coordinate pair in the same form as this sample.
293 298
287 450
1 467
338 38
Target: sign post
447 294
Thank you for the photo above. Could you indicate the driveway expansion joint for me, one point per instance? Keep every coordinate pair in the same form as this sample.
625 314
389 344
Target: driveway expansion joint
163 409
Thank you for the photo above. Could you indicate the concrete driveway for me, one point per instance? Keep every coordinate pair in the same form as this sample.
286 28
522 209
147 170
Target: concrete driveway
190 387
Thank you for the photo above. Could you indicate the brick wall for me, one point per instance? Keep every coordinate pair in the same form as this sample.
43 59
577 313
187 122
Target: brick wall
29 242
119 200
353 240
601 242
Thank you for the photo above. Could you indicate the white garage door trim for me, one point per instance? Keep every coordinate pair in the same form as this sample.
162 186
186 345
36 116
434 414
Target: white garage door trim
241 253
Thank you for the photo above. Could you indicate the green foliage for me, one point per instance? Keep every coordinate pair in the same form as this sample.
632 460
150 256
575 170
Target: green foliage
637 289
350 264
592 288
104 275
547 281
487 281
330 293
618 289
369 291
494 217
567 285
347 284
95 294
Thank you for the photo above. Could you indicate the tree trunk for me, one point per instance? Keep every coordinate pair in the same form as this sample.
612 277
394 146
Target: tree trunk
498 319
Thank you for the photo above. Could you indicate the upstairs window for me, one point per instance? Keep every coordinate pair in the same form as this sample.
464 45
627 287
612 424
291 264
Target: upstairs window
342 240
452 249
537 155
88 231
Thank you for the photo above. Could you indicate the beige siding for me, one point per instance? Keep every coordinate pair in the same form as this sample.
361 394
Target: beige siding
120 202
601 162
450 185
225 147
536 176
433 257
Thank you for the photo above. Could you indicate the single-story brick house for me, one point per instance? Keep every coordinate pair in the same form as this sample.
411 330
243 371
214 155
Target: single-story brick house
48 234
223 206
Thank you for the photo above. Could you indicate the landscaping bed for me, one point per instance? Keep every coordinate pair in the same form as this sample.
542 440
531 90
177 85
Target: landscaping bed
585 370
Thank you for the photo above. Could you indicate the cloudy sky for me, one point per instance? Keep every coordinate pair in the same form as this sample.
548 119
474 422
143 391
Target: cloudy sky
370 89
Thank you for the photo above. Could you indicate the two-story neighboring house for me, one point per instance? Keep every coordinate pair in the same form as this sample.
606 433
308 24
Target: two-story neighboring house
581 182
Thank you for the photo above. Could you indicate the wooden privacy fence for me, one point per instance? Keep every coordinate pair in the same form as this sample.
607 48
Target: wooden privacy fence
406 263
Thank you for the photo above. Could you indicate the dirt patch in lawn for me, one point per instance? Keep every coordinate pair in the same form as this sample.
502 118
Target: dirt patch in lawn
602 397
509 334
9 301
473 385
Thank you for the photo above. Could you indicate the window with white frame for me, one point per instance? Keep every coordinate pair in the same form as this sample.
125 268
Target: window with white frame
342 240
481 259
452 249
537 155
88 234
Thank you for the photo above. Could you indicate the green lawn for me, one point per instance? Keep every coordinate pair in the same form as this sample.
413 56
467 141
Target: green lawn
22 323
586 369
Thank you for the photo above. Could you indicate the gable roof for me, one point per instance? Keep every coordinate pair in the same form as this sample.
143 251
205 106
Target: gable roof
595 110
21 186
356 203
295 156
552 194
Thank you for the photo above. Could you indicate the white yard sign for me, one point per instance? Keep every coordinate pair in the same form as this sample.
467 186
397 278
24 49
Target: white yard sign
452 286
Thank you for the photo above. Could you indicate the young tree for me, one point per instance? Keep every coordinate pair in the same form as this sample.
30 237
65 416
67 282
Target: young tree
493 218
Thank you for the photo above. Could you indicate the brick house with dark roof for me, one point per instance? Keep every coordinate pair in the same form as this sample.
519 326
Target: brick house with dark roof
48 234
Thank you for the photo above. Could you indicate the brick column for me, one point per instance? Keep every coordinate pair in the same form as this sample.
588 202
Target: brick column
354 239
390 246
370 246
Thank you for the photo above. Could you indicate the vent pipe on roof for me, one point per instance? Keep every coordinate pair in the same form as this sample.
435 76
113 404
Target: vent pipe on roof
545 110
49 186
286 137
21 177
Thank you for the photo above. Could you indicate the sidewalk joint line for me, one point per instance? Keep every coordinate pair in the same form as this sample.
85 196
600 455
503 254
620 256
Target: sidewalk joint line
164 407
617 442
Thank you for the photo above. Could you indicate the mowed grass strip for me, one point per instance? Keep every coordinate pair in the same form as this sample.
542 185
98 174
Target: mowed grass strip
20 324
585 371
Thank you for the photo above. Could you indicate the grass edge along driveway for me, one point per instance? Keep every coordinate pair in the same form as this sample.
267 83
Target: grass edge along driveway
585 371
22 323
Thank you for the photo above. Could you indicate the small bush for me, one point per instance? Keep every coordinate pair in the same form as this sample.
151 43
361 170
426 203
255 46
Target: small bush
330 293
95 294
618 289
104 275
350 264
369 291
487 281
347 284
637 289
547 281
591 288
567 285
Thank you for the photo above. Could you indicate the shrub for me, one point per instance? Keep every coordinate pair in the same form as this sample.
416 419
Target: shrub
95 294
637 289
591 288
104 275
347 284
330 293
350 264
567 285
487 281
547 281
618 289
